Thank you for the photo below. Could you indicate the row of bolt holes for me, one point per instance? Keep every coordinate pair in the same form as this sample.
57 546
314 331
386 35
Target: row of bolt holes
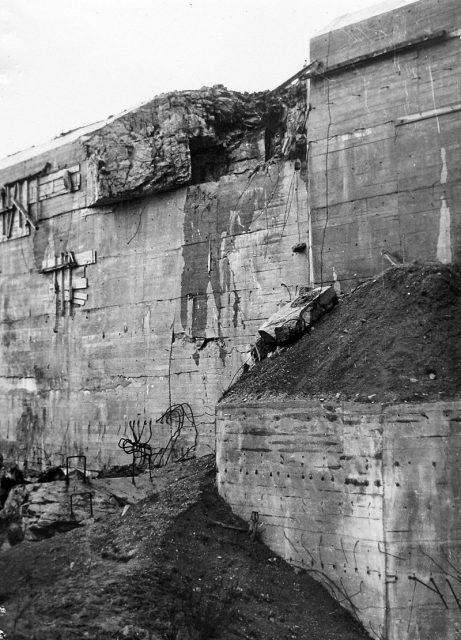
310 478
303 477
344 568
397 464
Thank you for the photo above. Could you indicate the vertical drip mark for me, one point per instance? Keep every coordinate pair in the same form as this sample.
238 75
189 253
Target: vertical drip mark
433 98
170 357
337 284
444 171
444 254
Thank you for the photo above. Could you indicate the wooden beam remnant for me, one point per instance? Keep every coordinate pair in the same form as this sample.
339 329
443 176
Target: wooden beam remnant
25 213
9 224
79 298
80 283
68 259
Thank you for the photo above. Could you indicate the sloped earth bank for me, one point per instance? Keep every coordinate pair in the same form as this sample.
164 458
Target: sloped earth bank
164 569
395 338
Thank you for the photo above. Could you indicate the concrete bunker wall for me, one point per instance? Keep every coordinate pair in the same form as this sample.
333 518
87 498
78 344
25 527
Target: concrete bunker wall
365 497
174 278
175 288
384 142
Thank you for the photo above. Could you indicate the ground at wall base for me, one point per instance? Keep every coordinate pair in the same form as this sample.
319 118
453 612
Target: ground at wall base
164 570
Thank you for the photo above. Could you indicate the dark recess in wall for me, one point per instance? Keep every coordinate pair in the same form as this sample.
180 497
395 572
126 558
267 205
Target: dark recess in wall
208 160
275 130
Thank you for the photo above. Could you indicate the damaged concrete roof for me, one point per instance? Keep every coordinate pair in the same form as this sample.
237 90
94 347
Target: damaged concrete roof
176 139
85 131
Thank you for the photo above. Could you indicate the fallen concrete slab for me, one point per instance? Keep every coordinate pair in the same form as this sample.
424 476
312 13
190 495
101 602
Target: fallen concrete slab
292 320
40 510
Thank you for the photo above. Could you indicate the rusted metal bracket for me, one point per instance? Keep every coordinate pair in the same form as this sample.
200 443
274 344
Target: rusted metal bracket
306 72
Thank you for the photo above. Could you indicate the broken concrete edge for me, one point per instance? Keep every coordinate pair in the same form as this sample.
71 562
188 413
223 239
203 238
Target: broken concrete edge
188 137
292 320
177 139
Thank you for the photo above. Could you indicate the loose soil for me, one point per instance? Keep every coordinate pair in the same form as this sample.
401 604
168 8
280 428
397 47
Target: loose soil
164 569
396 338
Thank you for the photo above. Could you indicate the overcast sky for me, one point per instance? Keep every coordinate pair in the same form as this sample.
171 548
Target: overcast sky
67 63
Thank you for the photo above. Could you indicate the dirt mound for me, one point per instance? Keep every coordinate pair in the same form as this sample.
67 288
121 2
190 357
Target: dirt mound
395 338
176 566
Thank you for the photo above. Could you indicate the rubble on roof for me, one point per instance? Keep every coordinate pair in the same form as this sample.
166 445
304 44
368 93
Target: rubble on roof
193 137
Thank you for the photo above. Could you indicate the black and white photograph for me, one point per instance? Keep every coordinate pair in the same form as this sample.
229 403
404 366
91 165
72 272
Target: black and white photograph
230 320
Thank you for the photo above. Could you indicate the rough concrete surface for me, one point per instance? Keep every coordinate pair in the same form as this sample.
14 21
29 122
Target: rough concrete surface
364 497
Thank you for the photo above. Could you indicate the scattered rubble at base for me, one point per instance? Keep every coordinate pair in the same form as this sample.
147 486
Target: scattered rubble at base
395 338
34 511
177 565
